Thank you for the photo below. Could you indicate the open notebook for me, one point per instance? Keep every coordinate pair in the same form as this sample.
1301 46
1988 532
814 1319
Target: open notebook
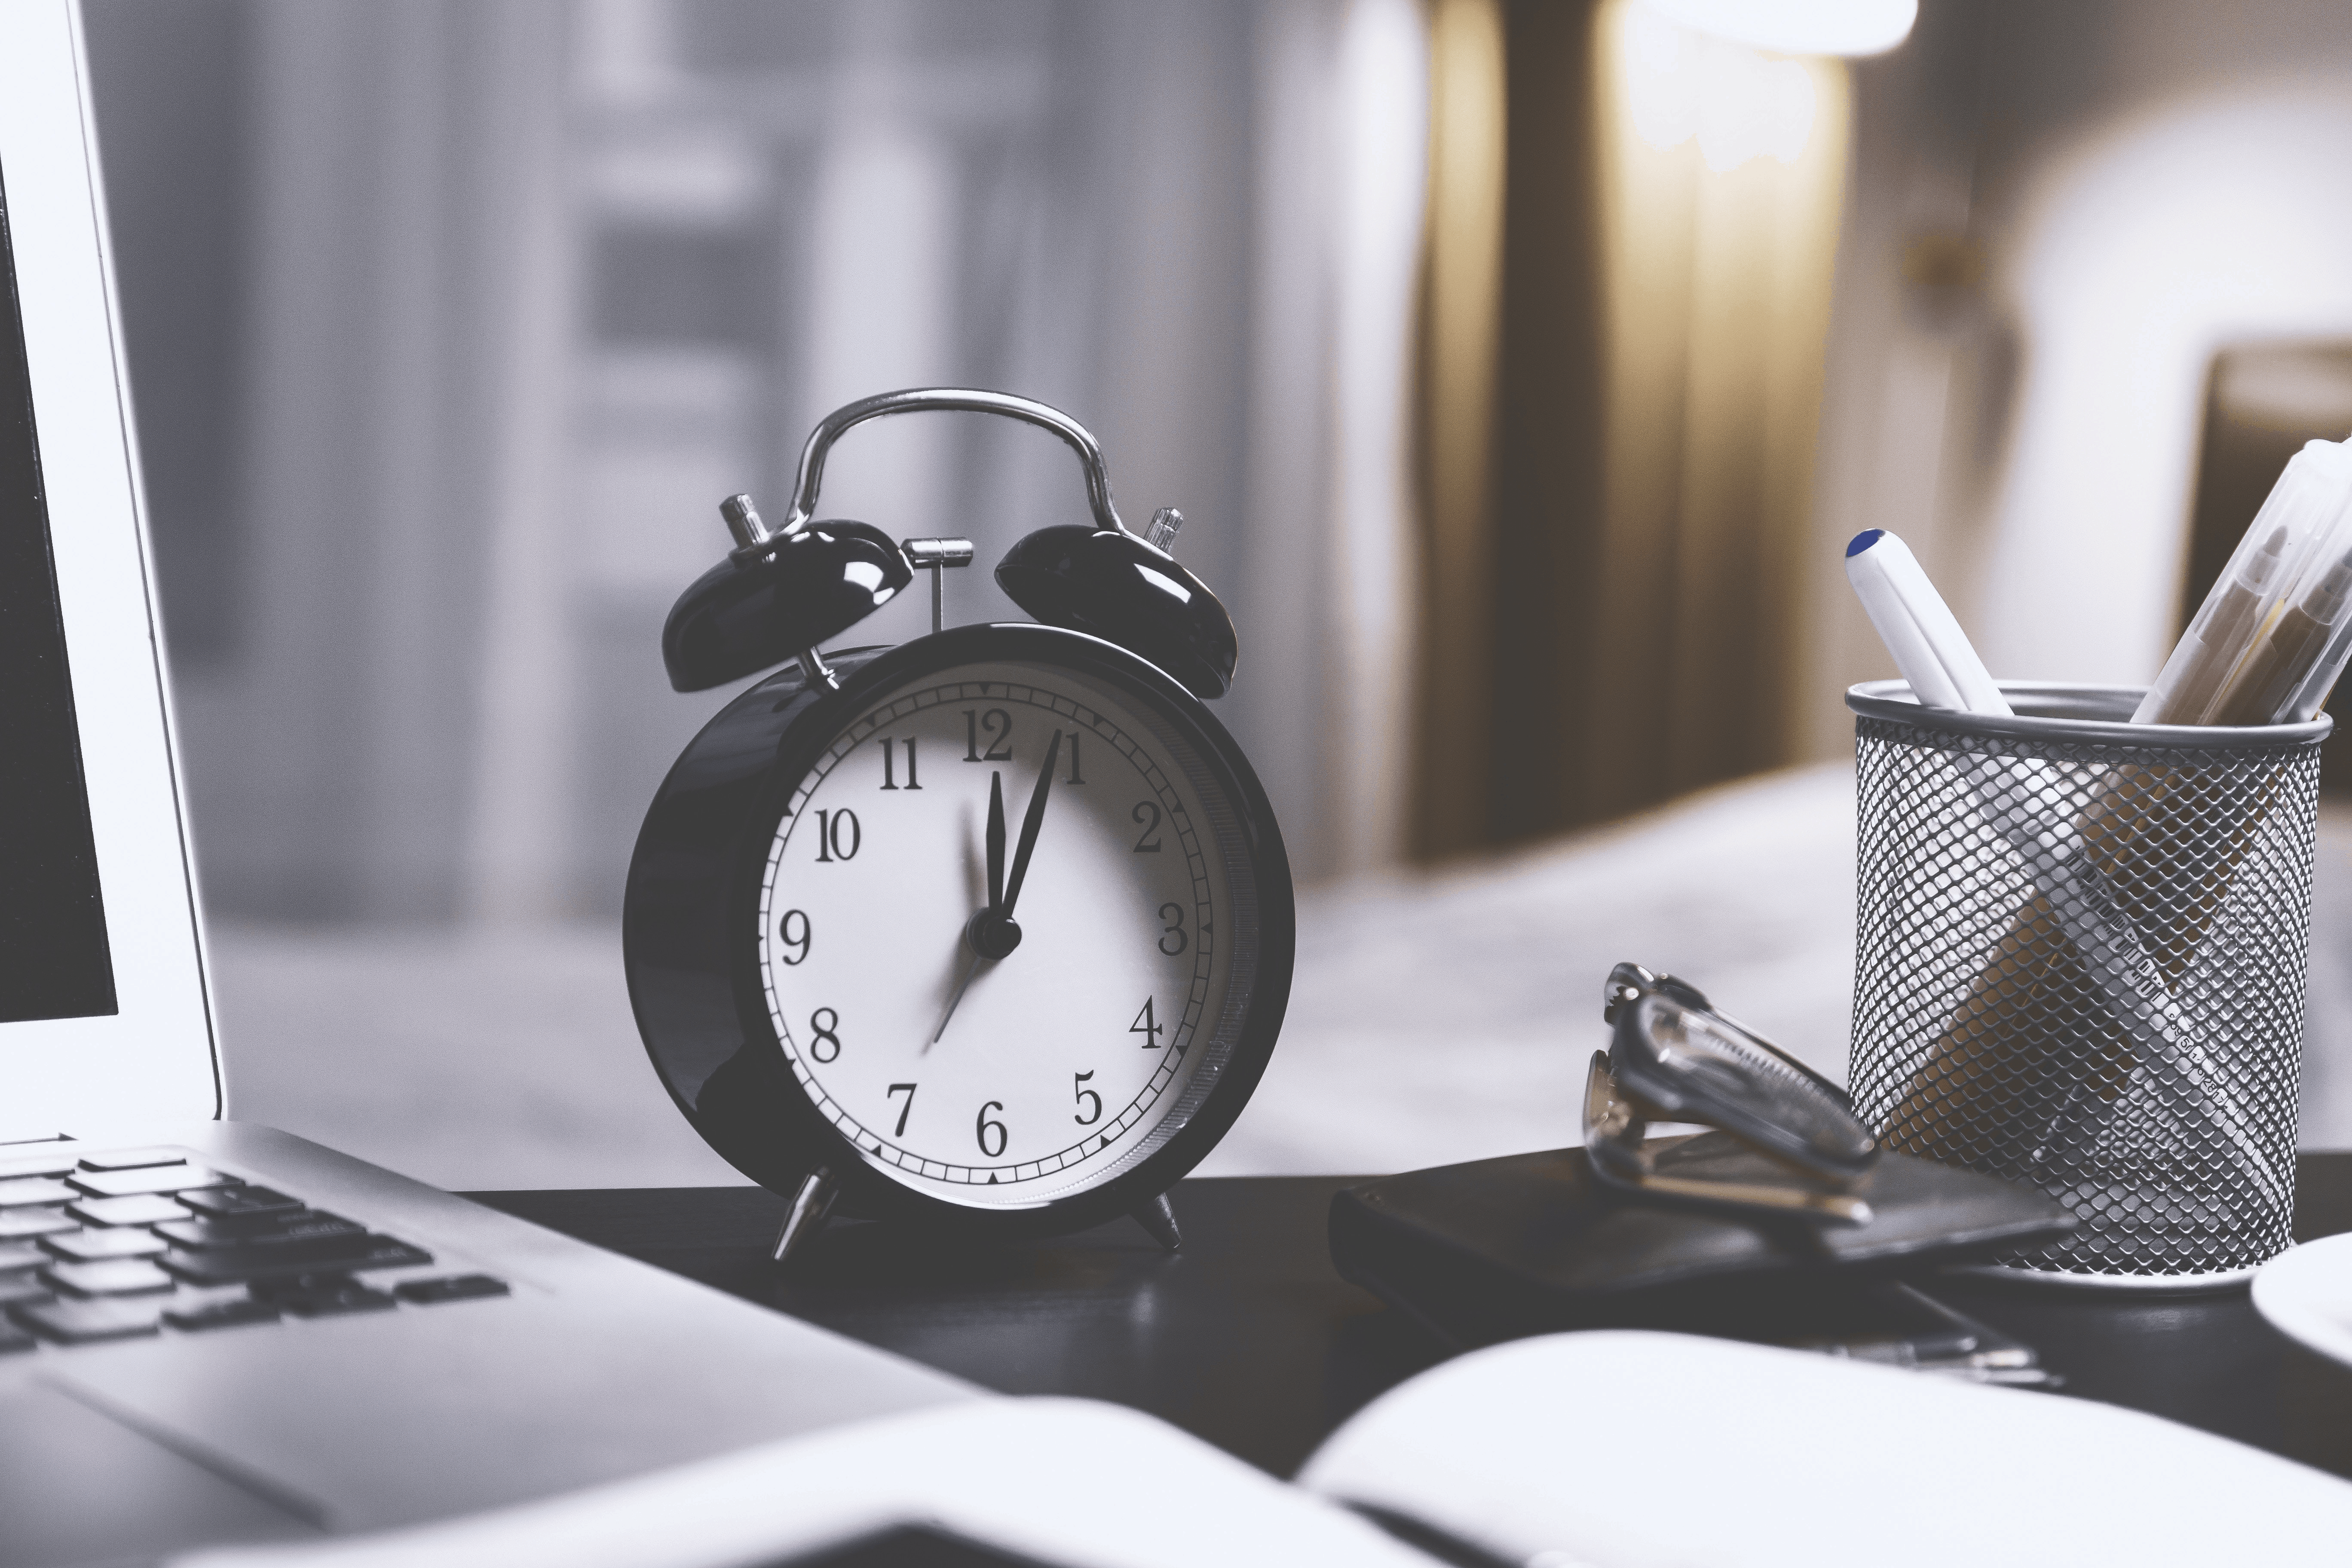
1612 1449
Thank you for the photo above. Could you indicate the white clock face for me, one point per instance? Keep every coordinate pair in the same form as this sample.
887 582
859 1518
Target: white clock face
1001 1081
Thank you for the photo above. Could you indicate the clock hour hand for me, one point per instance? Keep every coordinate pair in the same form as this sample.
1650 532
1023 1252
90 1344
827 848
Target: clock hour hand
992 934
1030 824
996 843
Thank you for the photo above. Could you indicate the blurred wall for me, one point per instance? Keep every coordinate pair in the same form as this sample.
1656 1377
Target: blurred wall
2060 212
450 324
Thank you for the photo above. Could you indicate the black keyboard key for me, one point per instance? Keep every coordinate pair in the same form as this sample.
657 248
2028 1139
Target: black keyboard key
27 1190
221 1315
258 1229
133 1159
80 1322
20 1255
456 1287
161 1179
16 1224
95 1245
114 1276
224 1201
13 1338
23 1285
331 1298
139 1208
290 1259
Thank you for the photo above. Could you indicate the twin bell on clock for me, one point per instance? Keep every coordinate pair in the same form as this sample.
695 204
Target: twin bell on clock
987 934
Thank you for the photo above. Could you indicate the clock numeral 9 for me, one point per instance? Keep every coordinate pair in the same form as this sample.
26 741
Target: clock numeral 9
999 725
982 1127
832 829
824 1027
1084 1094
1173 932
794 930
1147 812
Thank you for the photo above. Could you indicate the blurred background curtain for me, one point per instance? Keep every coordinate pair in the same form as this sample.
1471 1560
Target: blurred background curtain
1632 238
450 324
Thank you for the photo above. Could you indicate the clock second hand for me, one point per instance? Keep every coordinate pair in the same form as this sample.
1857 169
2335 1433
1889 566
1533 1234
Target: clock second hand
992 934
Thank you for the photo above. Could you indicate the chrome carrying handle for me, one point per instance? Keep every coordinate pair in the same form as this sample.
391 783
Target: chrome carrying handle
751 534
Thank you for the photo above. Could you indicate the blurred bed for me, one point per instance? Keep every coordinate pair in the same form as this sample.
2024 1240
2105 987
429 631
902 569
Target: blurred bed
1434 1018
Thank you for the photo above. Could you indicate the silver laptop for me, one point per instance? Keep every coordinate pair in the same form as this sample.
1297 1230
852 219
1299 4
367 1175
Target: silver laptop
211 1330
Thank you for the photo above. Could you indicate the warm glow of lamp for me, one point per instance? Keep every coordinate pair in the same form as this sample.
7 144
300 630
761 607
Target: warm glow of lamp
1681 83
1800 27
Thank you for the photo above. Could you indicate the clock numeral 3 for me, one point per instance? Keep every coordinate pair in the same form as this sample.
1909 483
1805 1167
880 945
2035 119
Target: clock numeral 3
1147 812
999 725
794 937
823 1024
832 829
1173 914
1084 1094
982 1127
889 758
900 1131
1148 1026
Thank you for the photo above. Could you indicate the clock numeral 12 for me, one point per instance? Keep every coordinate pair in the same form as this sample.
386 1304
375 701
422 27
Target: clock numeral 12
999 725
829 832
1148 1026
889 772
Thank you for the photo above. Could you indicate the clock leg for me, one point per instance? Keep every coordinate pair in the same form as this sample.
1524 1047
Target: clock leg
807 1213
1159 1219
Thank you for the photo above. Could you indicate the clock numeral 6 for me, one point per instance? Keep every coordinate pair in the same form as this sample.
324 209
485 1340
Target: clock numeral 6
824 1027
839 837
794 930
1172 940
1084 1094
982 1127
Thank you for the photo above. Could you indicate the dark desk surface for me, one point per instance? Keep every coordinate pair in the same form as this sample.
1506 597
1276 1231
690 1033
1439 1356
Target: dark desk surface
1249 1340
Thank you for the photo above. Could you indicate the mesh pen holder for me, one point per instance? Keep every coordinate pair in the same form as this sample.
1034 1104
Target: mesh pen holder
2079 962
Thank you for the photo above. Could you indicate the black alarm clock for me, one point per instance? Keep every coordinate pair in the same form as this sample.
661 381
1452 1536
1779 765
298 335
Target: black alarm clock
990 932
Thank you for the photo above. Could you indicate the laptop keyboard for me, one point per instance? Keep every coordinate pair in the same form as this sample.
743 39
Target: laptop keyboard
130 1242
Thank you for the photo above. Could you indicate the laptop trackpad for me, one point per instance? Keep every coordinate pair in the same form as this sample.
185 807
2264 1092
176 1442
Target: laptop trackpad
76 1487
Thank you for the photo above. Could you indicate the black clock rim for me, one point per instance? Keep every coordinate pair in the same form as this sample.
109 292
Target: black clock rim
808 732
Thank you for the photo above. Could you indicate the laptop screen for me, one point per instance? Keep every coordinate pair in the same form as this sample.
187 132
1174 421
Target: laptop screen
54 962
104 1017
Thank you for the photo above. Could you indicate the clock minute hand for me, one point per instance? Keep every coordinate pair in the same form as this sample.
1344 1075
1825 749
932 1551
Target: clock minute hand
1031 823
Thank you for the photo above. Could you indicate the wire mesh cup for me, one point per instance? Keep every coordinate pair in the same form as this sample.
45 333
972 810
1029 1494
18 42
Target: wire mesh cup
2079 958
